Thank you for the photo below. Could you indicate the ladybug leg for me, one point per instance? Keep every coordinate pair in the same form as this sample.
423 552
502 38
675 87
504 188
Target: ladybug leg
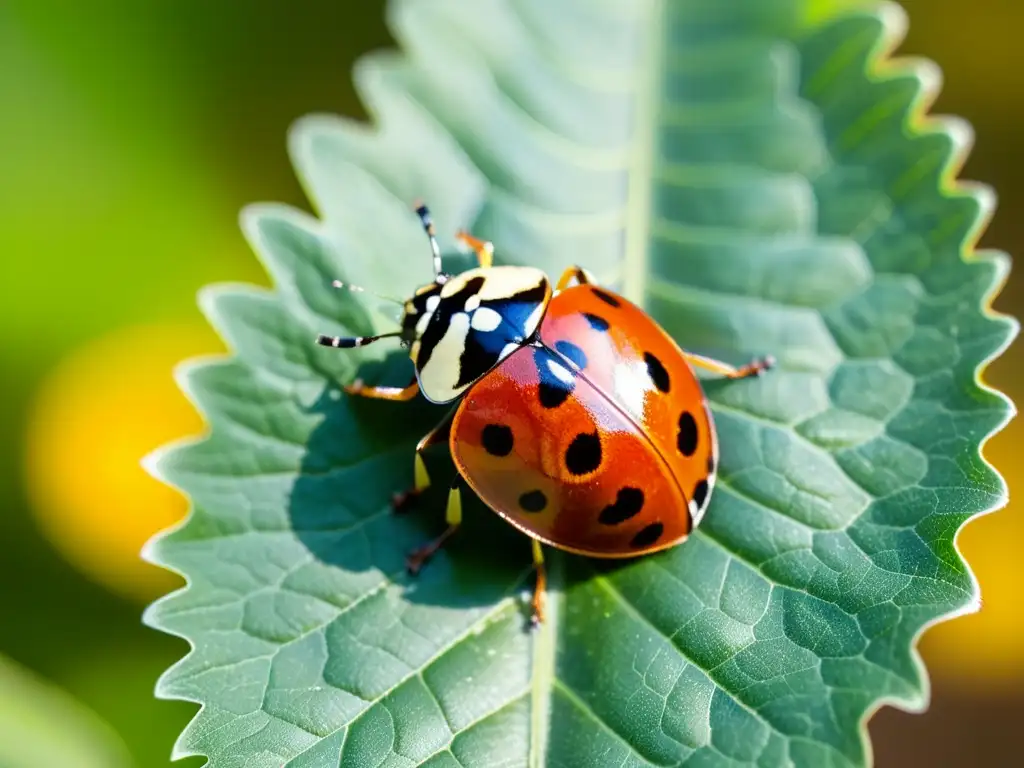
581 276
384 393
483 249
421 477
753 368
539 587
453 515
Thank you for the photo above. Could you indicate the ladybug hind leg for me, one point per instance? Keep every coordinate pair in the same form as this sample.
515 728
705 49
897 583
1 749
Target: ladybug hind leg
540 585
453 516
753 368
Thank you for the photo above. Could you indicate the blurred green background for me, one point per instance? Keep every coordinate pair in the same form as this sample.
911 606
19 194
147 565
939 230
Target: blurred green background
130 135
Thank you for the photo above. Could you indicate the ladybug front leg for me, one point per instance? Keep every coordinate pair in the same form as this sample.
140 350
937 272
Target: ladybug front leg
540 585
453 516
579 274
384 393
483 249
753 368
357 387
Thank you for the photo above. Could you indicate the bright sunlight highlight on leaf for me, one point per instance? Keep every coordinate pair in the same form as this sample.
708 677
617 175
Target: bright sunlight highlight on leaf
762 184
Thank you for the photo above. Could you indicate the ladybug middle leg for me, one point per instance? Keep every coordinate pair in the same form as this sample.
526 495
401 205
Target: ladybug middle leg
421 478
753 368
453 516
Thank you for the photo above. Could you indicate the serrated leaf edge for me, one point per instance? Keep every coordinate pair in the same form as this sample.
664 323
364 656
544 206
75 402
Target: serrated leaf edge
883 64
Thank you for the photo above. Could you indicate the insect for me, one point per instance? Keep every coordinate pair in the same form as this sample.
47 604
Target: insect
579 420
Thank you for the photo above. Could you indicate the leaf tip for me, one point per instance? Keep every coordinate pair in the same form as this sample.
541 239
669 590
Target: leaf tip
207 299
309 128
151 463
251 218
895 20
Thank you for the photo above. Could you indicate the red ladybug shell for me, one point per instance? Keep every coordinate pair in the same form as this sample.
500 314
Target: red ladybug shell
597 439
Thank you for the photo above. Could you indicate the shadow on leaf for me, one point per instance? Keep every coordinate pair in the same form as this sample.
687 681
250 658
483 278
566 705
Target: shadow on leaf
340 506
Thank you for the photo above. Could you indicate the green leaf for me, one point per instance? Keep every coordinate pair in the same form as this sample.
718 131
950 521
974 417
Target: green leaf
762 183
42 725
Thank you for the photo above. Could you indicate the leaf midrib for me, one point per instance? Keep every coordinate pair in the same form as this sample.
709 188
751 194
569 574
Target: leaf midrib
642 170
634 276
637 224
543 679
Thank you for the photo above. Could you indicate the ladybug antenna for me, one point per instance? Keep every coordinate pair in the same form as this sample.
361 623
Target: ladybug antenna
349 342
428 226
358 289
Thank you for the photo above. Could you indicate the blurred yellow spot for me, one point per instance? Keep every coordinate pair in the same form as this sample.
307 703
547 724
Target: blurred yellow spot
105 407
986 649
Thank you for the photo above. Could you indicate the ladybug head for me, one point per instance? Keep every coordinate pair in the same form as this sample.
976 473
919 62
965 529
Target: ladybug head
458 328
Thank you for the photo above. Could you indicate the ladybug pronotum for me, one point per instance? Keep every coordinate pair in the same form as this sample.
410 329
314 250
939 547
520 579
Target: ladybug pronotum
581 422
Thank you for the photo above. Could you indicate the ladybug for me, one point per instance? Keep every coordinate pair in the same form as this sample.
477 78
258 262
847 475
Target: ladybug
581 421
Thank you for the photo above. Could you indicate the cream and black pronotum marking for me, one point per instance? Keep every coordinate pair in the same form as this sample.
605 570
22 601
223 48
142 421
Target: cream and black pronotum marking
459 328
475 321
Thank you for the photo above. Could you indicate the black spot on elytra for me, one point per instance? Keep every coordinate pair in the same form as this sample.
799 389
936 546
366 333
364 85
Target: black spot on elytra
533 501
628 503
700 493
574 353
597 322
606 297
497 439
657 372
551 390
647 536
687 439
553 396
583 455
